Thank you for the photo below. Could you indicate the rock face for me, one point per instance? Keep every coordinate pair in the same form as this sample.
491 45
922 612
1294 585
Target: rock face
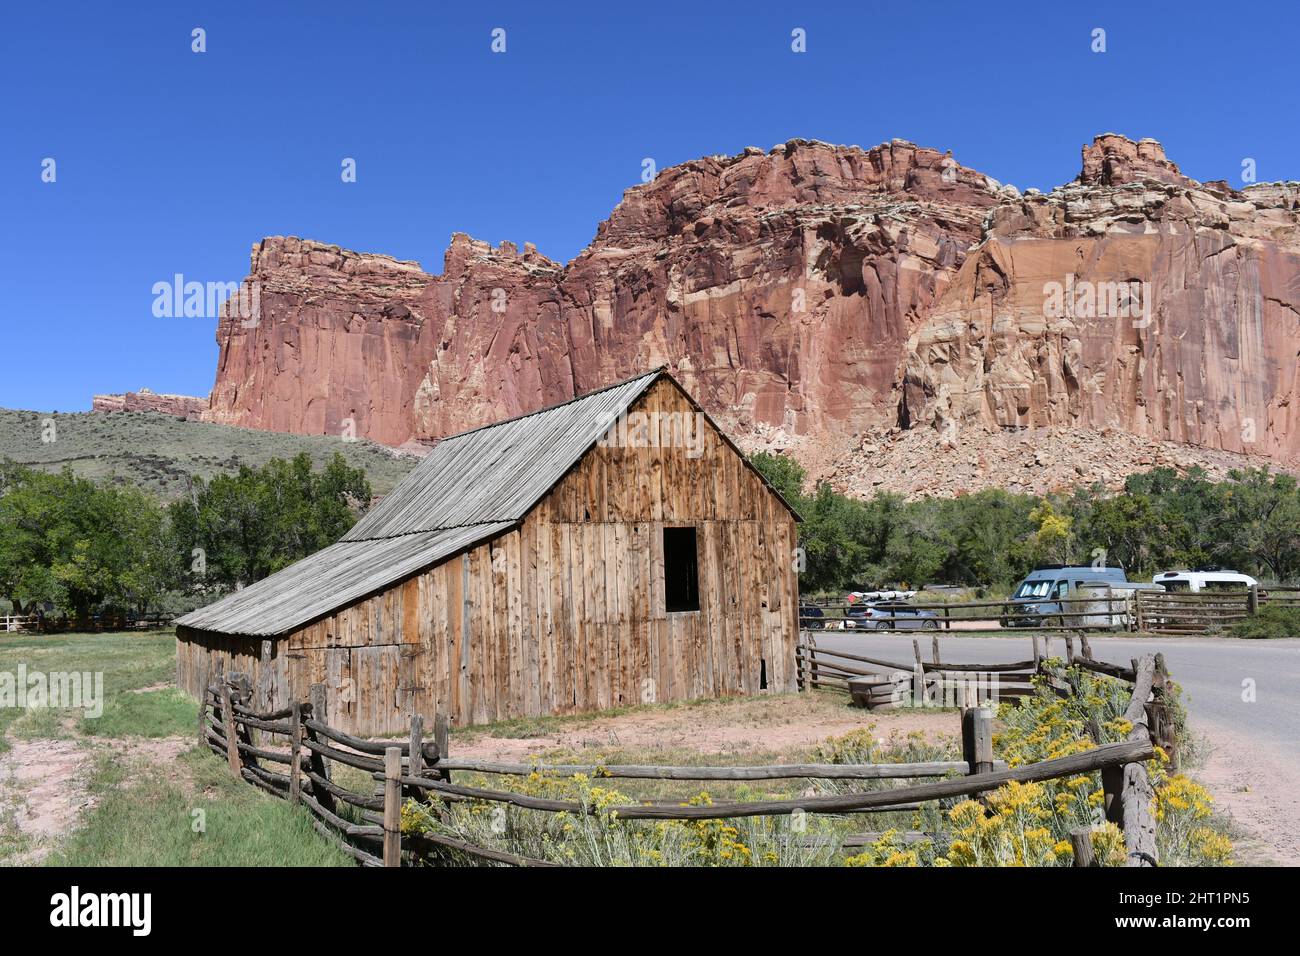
1134 298
146 400
812 296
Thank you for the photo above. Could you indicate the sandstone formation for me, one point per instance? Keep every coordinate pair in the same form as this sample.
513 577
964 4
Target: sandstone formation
1192 333
816 298
187 407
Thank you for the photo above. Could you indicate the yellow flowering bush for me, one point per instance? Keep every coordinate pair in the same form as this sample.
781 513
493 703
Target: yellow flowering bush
1185 833
1018 824
597 837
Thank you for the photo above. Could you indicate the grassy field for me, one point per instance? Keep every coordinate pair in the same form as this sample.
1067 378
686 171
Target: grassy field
130 787
159 452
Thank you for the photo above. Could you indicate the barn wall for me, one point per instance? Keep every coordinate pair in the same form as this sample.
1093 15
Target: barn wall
565 613
202 655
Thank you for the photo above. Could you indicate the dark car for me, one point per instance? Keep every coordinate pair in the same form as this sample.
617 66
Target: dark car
891 616
811 617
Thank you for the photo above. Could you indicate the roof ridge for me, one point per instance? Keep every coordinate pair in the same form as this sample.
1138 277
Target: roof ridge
550 408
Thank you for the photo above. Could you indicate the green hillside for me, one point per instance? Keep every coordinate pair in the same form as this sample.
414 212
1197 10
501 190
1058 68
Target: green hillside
158 452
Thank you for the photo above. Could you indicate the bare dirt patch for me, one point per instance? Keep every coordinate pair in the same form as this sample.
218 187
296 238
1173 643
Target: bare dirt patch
44 783
734 727
43 790
1258 790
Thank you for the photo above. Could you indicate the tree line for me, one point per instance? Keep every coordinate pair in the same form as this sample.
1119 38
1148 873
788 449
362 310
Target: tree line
79 548
1161 520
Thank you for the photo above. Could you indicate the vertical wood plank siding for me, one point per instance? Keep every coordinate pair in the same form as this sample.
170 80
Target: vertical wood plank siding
563 614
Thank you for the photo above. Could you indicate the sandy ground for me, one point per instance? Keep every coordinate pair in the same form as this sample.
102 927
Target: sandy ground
43 784
730 728
1258 790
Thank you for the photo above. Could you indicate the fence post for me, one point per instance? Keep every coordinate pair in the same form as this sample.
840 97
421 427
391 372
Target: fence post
295 752
442 742
1252 600
319 765
415 763
977 739
1163 733
417 745
1081 841
243 690
393 806
228 719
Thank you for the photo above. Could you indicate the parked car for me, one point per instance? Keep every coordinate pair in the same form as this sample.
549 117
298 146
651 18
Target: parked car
1206 579
1040 595
890 616
811 617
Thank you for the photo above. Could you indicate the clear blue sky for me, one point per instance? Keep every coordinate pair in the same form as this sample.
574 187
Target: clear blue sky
170 161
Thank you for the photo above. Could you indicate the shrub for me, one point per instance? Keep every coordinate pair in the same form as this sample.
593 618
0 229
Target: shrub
1272 620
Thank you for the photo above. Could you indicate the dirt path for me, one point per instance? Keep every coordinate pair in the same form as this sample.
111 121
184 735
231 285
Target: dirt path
1259 790
763 725
44 784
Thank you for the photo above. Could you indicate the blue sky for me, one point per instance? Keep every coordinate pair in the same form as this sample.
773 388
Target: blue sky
173 161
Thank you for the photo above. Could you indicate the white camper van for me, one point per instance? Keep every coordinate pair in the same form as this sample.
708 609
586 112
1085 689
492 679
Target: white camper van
1194 581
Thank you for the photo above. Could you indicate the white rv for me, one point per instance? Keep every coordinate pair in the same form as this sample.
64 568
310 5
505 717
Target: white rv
1203 580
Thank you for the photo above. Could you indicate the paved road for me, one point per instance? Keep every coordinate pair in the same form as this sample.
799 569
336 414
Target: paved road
1211 671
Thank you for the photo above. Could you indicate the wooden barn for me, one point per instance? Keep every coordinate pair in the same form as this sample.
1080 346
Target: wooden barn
614 549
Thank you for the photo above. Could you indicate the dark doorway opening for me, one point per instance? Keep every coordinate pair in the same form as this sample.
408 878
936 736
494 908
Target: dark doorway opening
681 570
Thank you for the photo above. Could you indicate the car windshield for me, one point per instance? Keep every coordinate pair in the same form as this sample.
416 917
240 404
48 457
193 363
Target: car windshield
1033 589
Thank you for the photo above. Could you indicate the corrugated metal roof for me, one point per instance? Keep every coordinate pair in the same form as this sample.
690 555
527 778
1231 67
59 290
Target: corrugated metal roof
498 472
471 487
330 579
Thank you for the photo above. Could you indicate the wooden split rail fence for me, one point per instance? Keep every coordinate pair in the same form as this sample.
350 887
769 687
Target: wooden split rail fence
1121 609
1126 787
876 683
1185 612
303 749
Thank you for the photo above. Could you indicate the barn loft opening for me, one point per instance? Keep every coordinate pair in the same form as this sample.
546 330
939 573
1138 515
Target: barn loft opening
681 570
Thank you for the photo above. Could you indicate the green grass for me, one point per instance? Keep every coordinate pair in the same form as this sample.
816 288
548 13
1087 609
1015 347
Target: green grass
152 819
154 713
127 661
144 802
159 452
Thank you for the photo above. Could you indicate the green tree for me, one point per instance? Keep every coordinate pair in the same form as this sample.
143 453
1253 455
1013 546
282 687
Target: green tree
240 528
85 547
783 473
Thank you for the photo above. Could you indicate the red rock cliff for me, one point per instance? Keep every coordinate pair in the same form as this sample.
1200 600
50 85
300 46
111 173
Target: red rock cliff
806 295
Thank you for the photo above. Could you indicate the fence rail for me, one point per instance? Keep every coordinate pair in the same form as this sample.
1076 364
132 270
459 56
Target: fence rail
1131 609
304 749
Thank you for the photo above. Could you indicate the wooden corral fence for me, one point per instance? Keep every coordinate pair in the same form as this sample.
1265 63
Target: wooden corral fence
873 682
300 743
1118 609
1185 612
1100 613
1127 788
12 623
